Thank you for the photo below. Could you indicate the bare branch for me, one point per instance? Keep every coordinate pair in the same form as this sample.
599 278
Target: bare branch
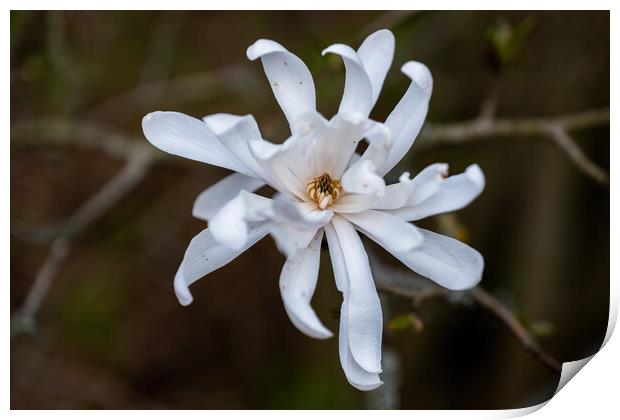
495 306
553 128
568 145
77 133
408 284
107 197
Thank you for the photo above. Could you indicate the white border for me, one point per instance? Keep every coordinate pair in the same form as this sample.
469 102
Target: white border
593 393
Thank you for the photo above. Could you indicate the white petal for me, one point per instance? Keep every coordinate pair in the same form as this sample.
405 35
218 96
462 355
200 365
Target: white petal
395 234
297 283
453 193
236 136
379 139
354 203
211 200
335 143
410 192
335 253
357 97
221 122
205 255
289 77
294 225
361 178
365 325
290 165
407 118
188 137
446 261
355 374
231 224
376 53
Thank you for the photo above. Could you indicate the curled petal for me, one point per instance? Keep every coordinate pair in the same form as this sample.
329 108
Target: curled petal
357 97
407 118
376 53
205 254
297 283
289 77
189 137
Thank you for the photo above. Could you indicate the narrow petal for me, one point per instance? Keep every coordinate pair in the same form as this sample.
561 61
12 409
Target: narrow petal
297 284
376 53
355 374
446 261
188 137
407 118
365 325
453 193
289 77
335 253
211 200
395 234
205 255
410 192
358 96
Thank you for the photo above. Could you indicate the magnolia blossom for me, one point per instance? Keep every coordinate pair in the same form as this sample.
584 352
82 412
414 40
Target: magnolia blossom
324 188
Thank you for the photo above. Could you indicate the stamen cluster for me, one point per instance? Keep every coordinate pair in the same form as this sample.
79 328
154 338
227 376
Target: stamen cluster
324 190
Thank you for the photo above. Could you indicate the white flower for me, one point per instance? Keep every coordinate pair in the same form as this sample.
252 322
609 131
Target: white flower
323 187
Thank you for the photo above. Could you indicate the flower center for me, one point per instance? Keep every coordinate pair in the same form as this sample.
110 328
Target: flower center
324 190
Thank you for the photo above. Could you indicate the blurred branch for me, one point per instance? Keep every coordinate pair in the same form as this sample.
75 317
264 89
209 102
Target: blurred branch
106 198
61 132
236 79
556 129
408 284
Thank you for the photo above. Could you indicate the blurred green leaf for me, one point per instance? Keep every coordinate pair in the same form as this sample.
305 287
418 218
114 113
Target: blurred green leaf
506 39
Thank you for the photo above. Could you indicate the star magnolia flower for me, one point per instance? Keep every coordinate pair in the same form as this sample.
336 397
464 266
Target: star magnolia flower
324 188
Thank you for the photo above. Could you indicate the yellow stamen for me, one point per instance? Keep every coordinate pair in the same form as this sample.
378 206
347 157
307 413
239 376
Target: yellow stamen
324 190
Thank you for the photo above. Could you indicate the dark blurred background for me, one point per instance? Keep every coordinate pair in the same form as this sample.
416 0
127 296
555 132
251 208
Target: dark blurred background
110 332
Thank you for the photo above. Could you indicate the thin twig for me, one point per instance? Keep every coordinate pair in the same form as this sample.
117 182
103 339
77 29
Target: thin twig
500 310
411 285
107 197
555 129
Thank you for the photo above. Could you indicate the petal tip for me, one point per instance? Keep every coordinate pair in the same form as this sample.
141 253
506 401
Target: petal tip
419 73
184 296
475 174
